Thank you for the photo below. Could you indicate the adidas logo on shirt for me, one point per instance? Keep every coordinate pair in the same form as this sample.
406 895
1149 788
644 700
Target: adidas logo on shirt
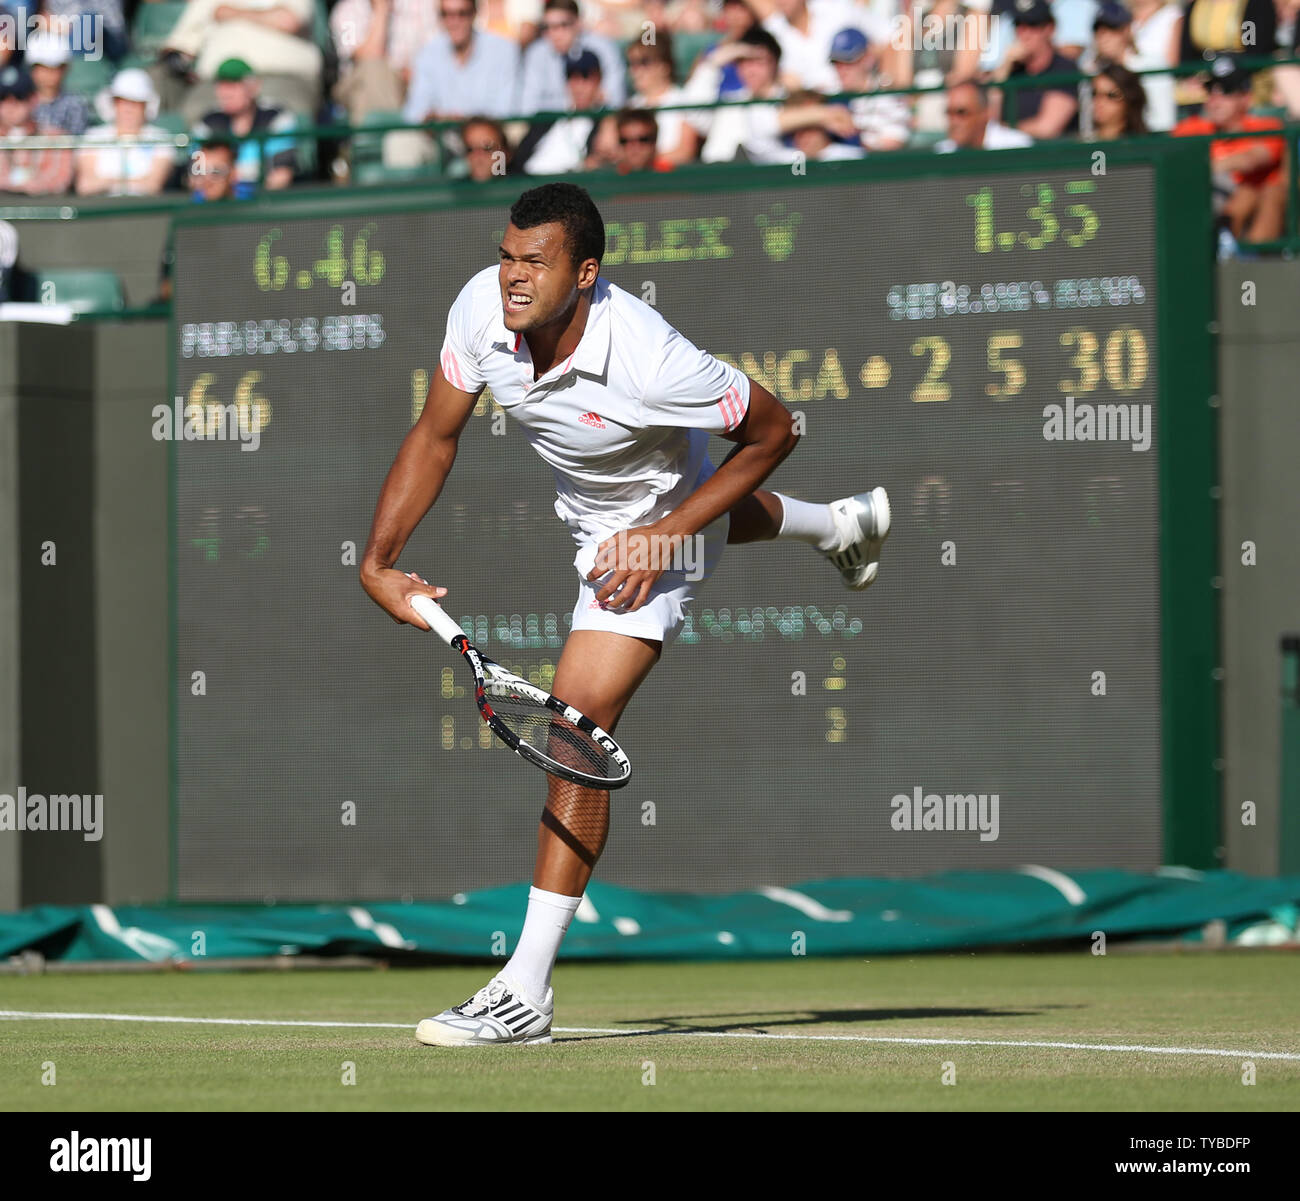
592 419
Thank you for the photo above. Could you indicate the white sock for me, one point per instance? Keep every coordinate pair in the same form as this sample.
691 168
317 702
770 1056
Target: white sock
546 923
808 523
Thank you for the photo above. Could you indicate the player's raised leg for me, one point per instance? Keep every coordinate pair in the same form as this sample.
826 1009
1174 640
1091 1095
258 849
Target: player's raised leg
849 532
598 672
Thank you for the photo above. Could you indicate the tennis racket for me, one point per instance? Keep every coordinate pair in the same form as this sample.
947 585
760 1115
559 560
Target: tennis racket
540 728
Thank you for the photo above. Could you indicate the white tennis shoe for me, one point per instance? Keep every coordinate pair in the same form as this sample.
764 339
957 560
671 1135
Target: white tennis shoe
497 1014
863 524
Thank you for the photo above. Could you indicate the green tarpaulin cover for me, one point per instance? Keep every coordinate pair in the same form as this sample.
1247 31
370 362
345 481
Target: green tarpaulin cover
948 911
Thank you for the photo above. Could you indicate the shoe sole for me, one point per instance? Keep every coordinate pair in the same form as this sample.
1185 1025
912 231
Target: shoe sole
535 1040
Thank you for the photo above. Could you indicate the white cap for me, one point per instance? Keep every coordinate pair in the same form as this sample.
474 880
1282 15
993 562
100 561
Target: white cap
130 84
45 49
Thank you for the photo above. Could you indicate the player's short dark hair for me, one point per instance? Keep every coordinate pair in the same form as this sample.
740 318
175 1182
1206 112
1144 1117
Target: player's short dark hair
756 35
568 6
568 205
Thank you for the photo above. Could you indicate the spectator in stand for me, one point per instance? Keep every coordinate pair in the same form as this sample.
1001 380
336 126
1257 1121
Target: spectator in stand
755 129
46 59
1118 102
1213 27
274 36
487 150
1112 42
1075 20
43 172
543 86
877 122
272 164
140 158
8 259
211 179
948 51
569 144
213 173
1157 28
715 76
654 82
971 125
1248 174
376 42
1045 112
462 71
804 29
638 136
815 129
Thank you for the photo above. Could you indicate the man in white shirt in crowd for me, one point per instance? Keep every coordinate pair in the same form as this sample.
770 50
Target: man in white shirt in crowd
970 124
754 129
805 29
568 144
462 71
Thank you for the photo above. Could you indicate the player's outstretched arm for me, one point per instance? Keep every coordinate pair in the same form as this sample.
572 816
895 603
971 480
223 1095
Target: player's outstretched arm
413 484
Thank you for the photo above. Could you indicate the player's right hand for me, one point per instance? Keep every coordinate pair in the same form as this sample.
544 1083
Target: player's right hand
392 590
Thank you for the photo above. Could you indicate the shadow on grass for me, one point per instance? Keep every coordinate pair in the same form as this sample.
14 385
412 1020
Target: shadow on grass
683 1023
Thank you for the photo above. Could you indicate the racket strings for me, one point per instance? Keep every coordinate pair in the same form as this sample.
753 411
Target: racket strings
551 734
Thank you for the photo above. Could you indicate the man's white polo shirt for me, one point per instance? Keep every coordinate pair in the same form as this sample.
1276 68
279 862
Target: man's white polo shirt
623 421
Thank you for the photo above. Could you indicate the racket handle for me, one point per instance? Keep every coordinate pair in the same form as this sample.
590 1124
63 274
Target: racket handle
445 626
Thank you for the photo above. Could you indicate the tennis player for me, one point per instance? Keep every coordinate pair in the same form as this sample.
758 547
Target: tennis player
621 406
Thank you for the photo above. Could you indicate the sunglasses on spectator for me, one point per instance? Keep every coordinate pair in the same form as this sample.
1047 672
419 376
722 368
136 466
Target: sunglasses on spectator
217 171
1108 93
483 148
642 139
564 24
641 60
448 14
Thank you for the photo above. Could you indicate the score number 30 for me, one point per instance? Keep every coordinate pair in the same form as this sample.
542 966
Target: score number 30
1121 359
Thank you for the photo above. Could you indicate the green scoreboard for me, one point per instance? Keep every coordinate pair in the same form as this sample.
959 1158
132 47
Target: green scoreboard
988 344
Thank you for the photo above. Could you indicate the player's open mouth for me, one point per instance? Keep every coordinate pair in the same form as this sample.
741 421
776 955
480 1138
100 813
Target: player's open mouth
516 302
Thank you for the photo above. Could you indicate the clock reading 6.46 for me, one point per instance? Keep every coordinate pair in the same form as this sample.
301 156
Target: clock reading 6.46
342 262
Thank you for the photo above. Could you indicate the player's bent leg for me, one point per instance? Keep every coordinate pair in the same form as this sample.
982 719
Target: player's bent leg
850 532
756 519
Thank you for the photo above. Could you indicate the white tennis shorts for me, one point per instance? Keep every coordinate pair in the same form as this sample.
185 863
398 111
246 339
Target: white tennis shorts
664 613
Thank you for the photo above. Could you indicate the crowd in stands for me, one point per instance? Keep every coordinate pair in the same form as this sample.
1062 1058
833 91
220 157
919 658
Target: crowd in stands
136 97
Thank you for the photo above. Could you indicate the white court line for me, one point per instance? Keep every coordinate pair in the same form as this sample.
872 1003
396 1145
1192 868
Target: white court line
838 1038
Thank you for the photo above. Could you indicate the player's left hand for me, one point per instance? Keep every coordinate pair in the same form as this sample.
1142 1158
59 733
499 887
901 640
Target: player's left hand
636 558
